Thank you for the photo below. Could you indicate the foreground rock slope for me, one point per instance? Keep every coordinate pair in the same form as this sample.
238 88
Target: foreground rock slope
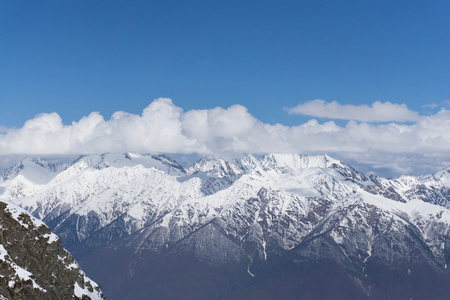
33 263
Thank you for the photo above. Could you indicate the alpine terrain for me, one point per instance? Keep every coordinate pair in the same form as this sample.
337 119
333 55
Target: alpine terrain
279 226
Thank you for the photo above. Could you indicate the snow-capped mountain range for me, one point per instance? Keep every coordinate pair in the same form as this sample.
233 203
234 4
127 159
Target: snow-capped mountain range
249 217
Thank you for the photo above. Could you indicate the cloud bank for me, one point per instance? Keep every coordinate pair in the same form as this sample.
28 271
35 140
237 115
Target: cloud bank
378 112
165 128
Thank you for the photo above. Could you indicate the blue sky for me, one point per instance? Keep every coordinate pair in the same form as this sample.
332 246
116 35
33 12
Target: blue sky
78 57
74 57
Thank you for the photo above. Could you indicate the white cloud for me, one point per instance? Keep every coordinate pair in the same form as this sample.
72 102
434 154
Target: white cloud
431 105
164 127
378 112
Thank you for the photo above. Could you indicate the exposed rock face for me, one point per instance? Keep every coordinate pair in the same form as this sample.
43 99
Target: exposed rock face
277 226
33 263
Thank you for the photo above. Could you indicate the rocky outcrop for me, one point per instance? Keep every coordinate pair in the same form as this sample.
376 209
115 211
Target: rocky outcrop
34 264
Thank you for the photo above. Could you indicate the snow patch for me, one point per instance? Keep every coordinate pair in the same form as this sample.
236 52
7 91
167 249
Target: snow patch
80 292
20 272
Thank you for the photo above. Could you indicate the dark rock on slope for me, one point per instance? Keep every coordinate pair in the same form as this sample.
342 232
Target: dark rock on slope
34 264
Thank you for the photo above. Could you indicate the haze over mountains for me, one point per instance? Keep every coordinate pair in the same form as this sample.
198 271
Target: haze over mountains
279 225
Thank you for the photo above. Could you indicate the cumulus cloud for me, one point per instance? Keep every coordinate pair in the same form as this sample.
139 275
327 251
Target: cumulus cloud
164 127
378 112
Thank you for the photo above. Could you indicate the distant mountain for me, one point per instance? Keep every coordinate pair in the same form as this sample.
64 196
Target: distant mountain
27 176
33 263
277 226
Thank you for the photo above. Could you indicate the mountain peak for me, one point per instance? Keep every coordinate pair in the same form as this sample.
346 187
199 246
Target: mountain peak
216 167
296 161
128 159
221 167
